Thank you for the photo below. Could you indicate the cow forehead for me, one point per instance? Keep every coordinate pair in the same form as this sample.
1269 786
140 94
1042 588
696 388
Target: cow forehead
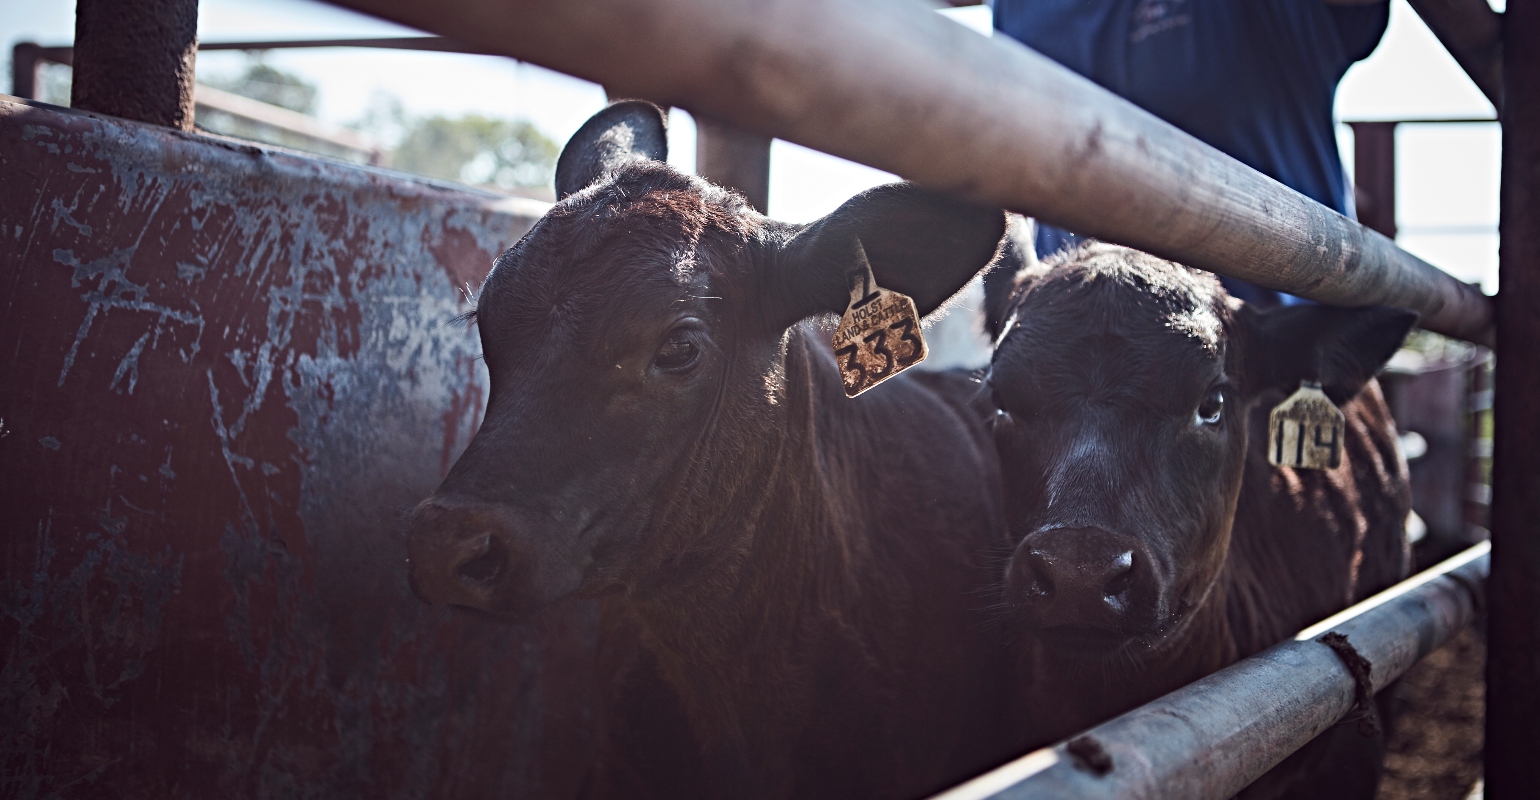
633 240
1143 330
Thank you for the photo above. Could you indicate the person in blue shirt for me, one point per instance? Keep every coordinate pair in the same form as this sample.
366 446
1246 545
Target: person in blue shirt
1254 78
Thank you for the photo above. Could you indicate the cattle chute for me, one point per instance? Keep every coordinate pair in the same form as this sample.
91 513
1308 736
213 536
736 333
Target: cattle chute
890 85
1168 194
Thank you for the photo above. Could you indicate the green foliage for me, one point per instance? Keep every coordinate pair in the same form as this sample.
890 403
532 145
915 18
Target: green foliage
262 82
474 149
477 150
53 83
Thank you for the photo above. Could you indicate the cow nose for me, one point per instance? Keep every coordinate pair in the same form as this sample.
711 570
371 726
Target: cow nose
1090 576
1079 577
460 554
484 569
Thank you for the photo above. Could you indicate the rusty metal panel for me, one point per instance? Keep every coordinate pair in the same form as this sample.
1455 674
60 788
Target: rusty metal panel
225 372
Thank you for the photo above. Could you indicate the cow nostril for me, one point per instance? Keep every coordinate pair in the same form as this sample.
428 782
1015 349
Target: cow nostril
486 567
1120 577
1040 574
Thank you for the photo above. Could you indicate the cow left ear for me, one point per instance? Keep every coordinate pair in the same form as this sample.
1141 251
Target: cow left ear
1340 348
625 131
919 243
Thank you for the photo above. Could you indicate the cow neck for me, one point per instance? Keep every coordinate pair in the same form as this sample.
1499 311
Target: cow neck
742 637
1296 538
1068 696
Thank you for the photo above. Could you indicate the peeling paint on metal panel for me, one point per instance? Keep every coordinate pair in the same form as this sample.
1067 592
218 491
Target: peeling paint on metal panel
203 593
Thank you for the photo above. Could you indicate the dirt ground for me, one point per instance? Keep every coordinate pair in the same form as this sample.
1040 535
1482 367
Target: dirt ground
1435 742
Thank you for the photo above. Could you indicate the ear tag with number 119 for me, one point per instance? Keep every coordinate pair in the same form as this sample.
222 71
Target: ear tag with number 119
1305 431
879 336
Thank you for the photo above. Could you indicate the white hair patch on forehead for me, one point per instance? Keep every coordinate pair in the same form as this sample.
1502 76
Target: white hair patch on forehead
683 268
1200 323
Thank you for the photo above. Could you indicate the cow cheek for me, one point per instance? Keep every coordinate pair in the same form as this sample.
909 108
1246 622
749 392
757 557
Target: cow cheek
1218 498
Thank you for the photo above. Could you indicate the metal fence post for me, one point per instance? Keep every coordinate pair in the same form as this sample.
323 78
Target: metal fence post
135 60
1374 175
24 63
1513 664
735 159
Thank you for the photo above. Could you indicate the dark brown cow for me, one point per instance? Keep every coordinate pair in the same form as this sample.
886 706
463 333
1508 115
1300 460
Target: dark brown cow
667 427
1153 545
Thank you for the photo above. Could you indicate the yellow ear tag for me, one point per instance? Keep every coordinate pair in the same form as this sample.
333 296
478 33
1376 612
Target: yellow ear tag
879 336
1305 430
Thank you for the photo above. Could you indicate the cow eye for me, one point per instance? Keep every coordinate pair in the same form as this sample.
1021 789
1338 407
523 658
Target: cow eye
1212 407
678 352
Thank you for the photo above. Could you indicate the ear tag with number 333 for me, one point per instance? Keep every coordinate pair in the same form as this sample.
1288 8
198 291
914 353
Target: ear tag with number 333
879 336
1305 431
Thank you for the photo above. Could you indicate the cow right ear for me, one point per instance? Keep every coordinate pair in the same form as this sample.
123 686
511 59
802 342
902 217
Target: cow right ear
626 131
1340 348
1011 273
919 243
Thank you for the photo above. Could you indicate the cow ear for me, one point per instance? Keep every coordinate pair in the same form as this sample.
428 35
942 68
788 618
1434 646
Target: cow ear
918 242
1341 348
1012 272
628 130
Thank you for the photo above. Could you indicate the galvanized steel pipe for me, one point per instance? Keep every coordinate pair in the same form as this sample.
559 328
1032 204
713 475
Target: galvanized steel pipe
1215 736
890 84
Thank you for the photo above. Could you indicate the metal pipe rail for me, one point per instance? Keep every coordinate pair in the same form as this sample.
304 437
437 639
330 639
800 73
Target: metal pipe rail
1215 736
890 84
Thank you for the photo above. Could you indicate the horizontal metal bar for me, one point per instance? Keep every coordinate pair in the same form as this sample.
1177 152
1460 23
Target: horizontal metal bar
891 84
65 54
283 119
434 43
1215 736
1427 121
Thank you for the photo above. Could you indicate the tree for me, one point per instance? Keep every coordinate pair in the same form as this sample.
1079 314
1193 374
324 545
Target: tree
474 149
509 154
260 81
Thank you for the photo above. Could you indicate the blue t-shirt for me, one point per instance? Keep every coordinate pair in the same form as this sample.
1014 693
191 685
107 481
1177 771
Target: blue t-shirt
1254 78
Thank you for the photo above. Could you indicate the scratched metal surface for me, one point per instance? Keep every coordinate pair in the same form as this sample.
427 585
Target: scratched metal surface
226 373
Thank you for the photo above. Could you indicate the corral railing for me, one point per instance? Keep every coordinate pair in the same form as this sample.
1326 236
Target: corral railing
890 84
1213 737
887 83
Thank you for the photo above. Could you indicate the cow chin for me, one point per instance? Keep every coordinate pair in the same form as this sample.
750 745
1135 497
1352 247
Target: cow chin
487 558
1087 645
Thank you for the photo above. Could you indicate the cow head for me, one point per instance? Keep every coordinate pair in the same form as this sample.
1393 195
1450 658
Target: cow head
1123 385
635 340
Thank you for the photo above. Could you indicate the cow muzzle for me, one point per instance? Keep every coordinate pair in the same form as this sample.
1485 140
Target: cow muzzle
484 556
1089 587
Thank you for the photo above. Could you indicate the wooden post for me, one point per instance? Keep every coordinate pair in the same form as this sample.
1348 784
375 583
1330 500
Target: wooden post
1513 661
135 59
1374 175
735 159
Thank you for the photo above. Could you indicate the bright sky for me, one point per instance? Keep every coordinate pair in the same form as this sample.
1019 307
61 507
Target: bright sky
1447 175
